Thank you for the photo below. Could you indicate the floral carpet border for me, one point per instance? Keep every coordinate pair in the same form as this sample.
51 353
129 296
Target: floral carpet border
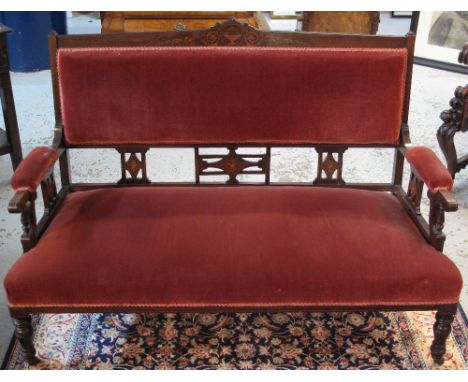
346 340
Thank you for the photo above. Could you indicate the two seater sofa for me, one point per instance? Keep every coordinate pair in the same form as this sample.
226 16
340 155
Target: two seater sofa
140 246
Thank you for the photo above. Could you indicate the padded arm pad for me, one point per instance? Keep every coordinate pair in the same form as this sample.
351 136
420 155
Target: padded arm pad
33 168
431 170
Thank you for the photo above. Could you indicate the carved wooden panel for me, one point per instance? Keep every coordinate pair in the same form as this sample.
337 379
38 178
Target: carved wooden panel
133 162
232 164
231 33
330 165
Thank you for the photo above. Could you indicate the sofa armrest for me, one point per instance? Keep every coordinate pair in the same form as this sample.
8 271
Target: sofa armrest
34 168
425 164
428 169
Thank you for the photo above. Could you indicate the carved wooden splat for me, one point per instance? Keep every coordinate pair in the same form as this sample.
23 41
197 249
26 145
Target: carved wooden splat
133 162
232 164
330 165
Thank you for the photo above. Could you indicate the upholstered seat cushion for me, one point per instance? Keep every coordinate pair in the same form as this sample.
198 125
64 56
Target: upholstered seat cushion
243 247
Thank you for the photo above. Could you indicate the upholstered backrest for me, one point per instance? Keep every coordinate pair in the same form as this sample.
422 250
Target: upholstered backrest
209 95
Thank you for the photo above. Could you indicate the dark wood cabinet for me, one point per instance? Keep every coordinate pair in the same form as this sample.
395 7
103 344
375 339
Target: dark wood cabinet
139 21
9 138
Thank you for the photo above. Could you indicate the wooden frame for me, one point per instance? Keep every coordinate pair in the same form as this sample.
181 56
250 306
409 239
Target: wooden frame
232 33
437 42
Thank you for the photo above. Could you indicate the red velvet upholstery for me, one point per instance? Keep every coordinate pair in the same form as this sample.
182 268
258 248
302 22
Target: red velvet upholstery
211 95
32 169
229 247
430 168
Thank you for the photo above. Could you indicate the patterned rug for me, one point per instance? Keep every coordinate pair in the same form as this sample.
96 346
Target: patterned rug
396 340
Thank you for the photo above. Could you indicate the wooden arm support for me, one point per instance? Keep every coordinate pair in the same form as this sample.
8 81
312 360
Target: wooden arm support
24 202
439 194
440 202
36 169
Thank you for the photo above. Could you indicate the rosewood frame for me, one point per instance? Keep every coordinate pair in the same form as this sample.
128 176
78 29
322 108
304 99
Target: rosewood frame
329 174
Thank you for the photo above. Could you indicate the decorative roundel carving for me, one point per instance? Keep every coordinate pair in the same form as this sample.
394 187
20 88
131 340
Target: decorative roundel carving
231 33
252 37
212 37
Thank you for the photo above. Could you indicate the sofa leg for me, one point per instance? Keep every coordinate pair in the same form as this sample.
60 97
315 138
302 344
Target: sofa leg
24 334
442 329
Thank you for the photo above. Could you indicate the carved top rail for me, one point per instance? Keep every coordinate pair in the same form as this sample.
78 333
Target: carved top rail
232 33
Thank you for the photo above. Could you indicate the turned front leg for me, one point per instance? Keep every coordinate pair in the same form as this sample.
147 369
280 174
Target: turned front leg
442 329
24 334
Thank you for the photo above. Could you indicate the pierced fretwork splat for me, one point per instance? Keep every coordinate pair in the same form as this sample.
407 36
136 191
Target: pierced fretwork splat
232 164
330 165
133 163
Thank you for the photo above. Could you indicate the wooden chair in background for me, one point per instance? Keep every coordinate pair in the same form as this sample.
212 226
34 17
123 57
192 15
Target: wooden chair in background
455 119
